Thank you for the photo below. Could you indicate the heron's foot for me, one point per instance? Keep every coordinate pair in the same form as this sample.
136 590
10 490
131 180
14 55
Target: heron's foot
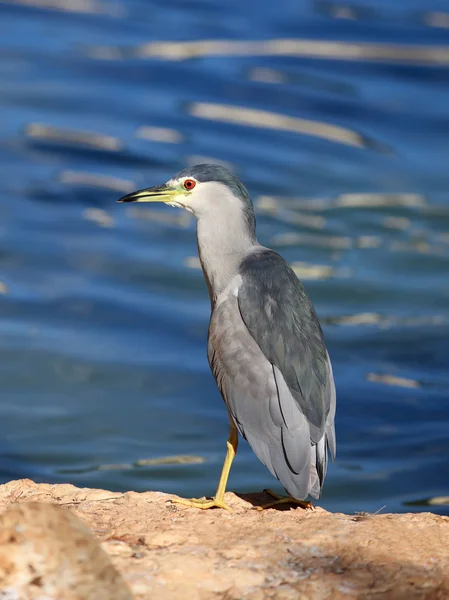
285 500
202 503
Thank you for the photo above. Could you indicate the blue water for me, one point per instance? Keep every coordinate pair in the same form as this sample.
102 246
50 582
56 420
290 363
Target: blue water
103 311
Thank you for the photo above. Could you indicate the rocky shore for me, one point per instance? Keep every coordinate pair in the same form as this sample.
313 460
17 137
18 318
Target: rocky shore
64 543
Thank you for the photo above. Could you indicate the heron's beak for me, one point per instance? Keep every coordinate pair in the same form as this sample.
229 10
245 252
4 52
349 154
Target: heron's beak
158 193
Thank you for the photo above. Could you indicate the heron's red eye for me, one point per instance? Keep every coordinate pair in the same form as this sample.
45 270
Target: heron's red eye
189 184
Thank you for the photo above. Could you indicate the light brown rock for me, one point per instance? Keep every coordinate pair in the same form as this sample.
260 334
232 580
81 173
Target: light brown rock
46 552
171 552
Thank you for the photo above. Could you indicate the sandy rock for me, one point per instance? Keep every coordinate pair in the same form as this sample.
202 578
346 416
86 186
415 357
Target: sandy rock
46 552
171 552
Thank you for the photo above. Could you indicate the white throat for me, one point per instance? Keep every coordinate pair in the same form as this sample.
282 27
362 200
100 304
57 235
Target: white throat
224 239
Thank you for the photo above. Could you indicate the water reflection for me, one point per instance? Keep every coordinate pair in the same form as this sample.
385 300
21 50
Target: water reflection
96 7
160 134
99 216
393 380
96 180
437 19
318 49
268 120
310 240
49 133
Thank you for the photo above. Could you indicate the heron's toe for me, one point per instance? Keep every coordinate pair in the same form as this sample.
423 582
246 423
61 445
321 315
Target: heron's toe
285 500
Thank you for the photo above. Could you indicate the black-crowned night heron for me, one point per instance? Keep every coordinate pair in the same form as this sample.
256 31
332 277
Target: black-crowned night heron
265 344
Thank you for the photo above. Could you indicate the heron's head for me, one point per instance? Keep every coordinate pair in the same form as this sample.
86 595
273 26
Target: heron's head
208 190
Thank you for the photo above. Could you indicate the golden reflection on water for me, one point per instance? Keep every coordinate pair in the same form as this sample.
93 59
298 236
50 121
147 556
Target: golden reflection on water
368 241
393 380
400 223
291 217
324 49
309 271
96 180
265 75
98 216
385 321
273 204
293 238
180 459
342 12
437 19
50 133
303 220
263 119
159 134
417 246
380 200
358 319
192 262
73 6
438 501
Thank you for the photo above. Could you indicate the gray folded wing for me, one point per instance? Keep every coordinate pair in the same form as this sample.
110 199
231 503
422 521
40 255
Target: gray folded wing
267 352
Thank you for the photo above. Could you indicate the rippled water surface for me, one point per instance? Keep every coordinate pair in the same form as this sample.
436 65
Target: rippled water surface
336 117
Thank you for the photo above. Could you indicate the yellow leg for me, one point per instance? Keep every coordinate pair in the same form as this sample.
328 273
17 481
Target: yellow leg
218 500
284 500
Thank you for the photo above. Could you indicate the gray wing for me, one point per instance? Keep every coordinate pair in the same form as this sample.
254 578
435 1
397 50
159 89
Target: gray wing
273 370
